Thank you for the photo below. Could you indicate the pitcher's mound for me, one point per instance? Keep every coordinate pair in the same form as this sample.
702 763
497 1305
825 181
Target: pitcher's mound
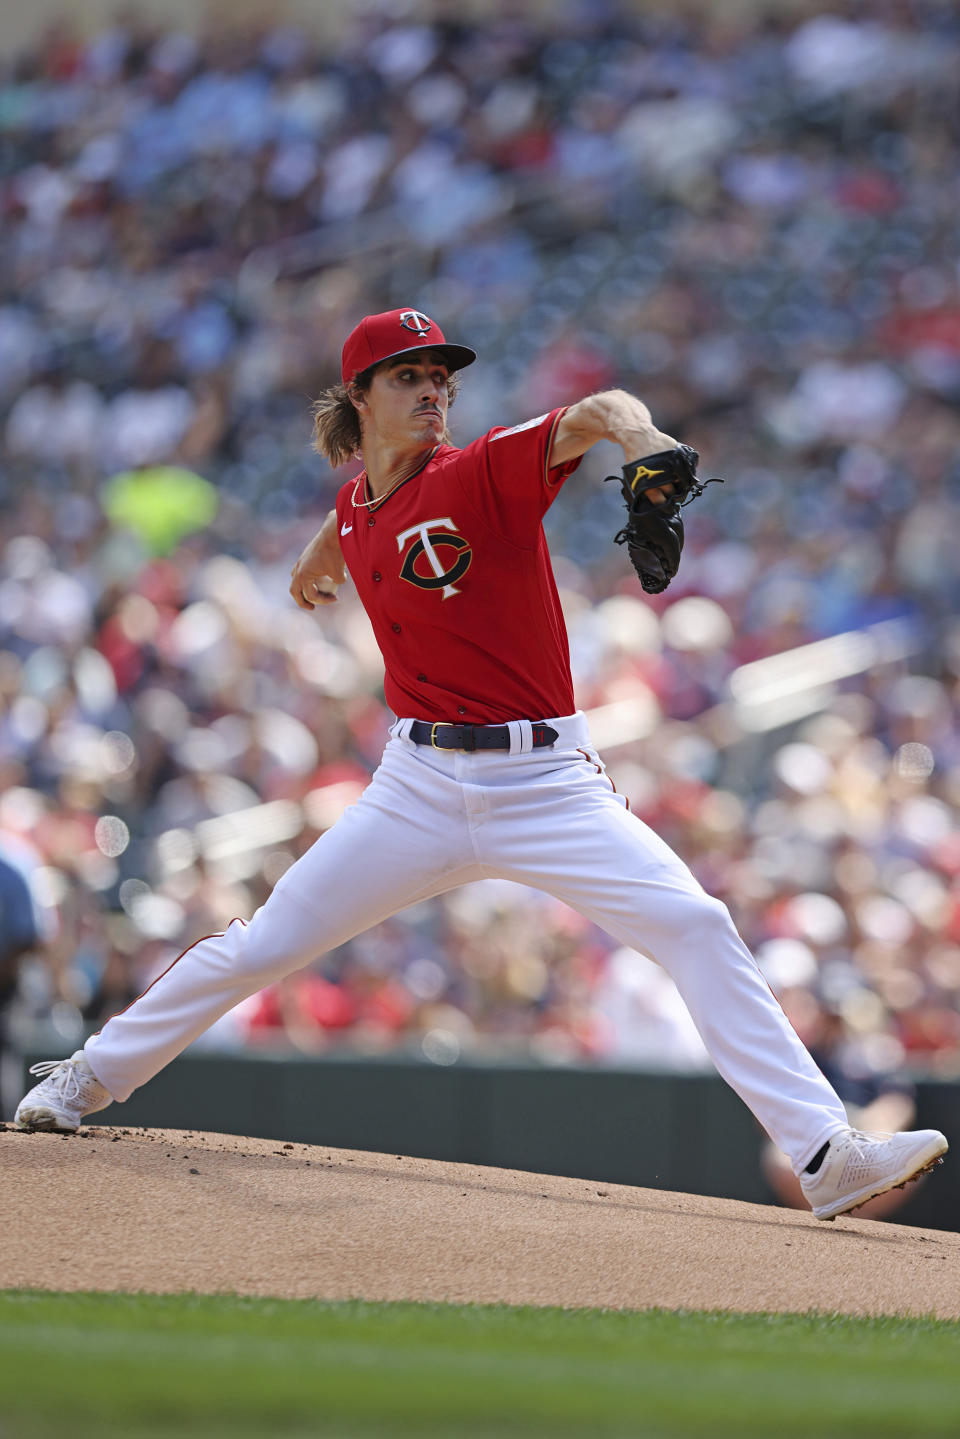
163 1210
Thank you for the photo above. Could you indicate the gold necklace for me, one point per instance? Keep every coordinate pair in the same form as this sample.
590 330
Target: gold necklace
369 504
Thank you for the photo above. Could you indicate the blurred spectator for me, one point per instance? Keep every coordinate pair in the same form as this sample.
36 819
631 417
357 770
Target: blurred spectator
19 931
57 421
19 935
159 504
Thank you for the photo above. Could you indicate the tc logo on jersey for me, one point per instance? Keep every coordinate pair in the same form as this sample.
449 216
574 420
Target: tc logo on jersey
416 321
427 544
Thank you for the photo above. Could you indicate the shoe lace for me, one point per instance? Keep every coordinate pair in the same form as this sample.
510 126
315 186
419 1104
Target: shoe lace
69 1081
862 1138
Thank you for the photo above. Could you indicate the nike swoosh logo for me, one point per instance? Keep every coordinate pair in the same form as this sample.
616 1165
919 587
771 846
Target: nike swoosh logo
345 529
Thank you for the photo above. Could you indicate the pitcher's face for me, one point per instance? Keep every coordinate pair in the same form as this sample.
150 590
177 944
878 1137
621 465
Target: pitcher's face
406 404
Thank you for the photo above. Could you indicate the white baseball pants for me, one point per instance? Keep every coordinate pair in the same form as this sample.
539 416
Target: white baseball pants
433 819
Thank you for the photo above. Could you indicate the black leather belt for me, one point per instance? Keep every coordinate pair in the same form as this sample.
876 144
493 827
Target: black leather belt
475 736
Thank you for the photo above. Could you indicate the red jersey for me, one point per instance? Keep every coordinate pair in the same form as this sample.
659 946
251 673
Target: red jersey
452 569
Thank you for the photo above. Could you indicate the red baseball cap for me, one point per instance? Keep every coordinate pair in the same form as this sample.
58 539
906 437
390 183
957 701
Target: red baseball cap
381 337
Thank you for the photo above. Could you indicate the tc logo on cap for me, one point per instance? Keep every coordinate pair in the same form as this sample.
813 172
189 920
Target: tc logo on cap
375 339
416 321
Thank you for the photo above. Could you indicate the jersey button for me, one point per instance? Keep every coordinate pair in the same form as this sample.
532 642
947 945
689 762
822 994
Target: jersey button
422 679
395 627
377 576
461 710
371 521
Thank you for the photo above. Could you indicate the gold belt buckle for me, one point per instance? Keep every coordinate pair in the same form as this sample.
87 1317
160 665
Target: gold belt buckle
433 735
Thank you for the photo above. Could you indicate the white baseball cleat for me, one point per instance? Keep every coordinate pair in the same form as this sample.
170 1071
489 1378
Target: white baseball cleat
859 1166
68 1091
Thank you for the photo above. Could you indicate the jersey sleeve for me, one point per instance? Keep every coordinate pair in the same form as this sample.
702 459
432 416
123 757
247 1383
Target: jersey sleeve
505 476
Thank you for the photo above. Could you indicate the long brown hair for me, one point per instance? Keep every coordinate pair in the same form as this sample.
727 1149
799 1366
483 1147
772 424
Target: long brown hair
336 423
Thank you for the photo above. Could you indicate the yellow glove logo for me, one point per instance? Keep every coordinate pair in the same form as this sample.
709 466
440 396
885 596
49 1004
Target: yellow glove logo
642 473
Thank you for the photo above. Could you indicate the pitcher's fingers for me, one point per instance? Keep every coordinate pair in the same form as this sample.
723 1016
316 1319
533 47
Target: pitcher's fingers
299 598
322 591
659 494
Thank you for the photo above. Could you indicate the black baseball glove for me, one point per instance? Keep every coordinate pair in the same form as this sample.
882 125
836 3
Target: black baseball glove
653 533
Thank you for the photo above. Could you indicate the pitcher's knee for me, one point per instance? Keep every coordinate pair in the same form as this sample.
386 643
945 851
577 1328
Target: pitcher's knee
704 917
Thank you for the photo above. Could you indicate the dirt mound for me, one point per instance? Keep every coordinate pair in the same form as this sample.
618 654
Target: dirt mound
163 1210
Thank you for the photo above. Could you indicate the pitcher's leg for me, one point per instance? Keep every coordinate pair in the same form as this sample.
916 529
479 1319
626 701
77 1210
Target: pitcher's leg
205 981
613 869
379 857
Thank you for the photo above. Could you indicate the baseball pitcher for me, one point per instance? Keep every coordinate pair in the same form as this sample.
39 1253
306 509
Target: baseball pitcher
489 769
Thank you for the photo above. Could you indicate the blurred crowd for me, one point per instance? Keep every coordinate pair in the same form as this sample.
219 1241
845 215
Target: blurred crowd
751 222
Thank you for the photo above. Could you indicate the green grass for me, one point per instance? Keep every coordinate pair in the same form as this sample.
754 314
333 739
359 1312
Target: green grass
139 1366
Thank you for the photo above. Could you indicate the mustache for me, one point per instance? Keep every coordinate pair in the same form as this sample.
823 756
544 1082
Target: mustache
428 410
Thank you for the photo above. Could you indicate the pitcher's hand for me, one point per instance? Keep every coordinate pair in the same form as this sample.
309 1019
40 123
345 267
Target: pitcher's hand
320 571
